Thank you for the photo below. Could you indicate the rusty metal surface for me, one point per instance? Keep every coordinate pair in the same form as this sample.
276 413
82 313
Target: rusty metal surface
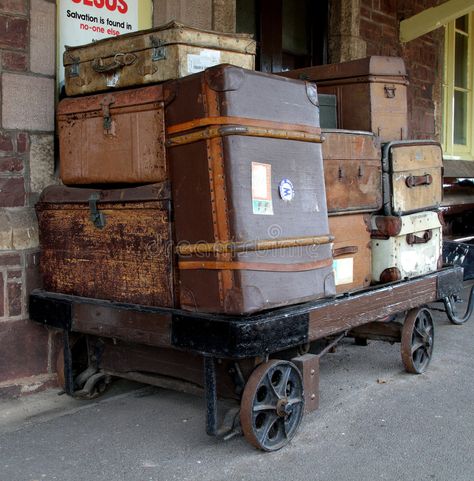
352 171
116 137
308 365
129 259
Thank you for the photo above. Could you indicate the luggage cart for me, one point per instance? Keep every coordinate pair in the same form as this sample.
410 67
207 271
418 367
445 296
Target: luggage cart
268 362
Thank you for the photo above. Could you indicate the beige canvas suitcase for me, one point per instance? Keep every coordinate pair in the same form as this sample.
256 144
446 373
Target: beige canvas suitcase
413 176
167 52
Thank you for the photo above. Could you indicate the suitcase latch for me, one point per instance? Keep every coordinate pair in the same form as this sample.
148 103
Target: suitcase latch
389 91
159 51
73 70
97 217
106 102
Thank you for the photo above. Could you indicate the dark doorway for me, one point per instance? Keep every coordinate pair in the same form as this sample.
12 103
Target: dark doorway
290 33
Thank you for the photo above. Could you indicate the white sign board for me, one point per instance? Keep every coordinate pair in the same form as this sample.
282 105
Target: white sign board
85 21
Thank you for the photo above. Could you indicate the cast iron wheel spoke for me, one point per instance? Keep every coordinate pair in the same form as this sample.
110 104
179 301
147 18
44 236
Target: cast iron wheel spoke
417 340
416 346
264 407
284 382
269 419
296 400
268 426
272 387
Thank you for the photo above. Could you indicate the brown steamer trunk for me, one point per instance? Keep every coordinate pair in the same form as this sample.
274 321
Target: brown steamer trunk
113 244
239 142
116 137
352 171
351 251
371 93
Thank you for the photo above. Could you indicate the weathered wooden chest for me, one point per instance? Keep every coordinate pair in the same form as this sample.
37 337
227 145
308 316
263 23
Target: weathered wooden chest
113 244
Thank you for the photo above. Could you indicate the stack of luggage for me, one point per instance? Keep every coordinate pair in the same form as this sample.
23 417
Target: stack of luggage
397 180
214 188
204 192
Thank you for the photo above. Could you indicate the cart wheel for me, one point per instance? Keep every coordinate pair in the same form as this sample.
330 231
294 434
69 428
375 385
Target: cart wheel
417 340
272 405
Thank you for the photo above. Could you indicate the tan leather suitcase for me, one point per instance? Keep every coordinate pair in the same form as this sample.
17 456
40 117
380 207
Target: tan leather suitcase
108 244
371 93
116 137
413 176
166 52
352 171
249 202
351 251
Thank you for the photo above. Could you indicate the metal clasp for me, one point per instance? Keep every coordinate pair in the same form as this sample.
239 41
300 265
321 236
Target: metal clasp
389 91
96 217
105 103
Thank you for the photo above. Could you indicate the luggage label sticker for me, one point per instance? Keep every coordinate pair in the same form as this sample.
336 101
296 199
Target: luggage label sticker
343 271
203 60
286 190
261 189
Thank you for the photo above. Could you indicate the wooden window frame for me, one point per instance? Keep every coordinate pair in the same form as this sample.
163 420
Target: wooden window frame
452 150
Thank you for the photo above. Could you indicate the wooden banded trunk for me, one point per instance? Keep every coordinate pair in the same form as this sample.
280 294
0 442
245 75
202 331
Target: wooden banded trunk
248 192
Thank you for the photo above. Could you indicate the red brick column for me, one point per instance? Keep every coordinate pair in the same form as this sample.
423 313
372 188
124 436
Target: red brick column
27 69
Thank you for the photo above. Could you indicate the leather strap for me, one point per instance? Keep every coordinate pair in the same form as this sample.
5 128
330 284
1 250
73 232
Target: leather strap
253 266
344 251
213 132
251 246
266 124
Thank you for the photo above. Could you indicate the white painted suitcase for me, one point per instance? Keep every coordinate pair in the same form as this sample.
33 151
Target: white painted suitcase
405 246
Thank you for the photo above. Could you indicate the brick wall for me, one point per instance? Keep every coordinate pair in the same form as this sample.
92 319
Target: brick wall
379 27
27 69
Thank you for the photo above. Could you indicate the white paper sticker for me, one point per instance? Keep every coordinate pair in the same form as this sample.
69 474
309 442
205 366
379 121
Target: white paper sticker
203 60
343 271
113 79
261 189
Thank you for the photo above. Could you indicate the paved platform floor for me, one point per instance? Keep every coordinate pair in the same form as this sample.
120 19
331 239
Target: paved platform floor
375 423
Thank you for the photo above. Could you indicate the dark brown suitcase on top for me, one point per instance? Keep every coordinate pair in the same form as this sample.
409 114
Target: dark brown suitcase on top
371 93
352 171
351 251
117 137
248 191
108 244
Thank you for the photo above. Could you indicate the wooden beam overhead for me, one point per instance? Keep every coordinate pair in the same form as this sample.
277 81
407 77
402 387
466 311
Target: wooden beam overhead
433 18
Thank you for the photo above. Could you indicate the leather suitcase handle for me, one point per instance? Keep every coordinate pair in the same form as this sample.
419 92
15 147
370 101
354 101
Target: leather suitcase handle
416 180
414 239
252 246
344 251
120 60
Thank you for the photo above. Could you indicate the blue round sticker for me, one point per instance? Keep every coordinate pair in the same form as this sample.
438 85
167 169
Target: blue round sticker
286 189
